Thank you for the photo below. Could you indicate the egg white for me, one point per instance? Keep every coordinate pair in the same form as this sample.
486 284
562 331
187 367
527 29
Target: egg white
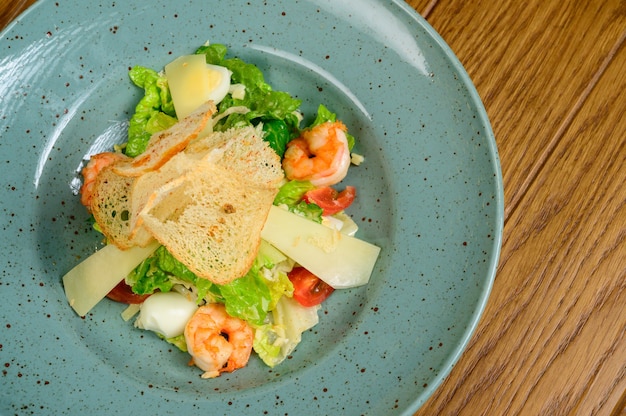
166 313
218 80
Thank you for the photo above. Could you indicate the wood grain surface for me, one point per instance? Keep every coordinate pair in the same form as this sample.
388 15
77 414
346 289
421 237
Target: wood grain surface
10 9
552 76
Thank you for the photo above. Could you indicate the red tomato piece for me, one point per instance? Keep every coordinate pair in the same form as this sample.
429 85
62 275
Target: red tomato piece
124 294
308 289
330 200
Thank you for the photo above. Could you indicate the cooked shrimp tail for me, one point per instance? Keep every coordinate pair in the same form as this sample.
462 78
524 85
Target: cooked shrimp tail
217 341
320 155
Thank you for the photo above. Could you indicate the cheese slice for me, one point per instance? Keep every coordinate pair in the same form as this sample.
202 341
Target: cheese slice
92 279
336 258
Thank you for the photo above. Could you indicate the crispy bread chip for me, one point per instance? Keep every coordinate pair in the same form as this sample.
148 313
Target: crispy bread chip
208 205
111 206
205 199
165 144
114 185
210 220
144 187
244 152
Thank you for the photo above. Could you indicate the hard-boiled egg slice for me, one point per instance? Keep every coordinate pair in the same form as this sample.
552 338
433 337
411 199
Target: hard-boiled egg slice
192 82
218 79
166 313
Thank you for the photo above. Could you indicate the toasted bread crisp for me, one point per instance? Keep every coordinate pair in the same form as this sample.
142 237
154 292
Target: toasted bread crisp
165 144
117 182
244 152
145 186
205 199
210 220
111 206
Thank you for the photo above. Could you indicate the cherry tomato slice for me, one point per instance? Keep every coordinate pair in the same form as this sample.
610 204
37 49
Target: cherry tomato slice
309 290
124 294
330 200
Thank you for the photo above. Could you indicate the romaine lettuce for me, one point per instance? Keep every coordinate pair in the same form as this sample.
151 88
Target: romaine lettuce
154 112
291 194
264 103
179 341
274 341
277 135
249 298
148 277
252 296
161 271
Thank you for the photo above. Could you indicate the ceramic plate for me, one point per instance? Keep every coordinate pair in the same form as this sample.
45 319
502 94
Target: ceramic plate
430 195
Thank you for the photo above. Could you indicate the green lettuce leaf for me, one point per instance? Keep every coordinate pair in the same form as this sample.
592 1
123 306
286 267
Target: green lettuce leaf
269 341
148 278
252 296
154 112
323 115
276 280
277 135
178 341
280 287
247 74
249 298
274 341
264 103
214 53
171 265
161 271
291 194
311 211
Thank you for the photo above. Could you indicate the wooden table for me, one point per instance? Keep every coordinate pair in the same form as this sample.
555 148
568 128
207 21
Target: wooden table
552 75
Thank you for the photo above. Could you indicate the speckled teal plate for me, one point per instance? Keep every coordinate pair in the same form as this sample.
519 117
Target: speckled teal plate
429 194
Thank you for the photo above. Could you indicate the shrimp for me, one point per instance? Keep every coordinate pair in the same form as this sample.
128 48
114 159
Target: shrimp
96 163
320 155
216 341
